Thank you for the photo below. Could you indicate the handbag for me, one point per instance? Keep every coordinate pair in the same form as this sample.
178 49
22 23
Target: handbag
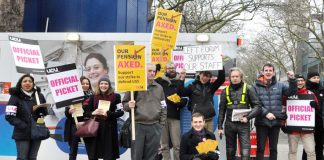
38 130
87 128
125 137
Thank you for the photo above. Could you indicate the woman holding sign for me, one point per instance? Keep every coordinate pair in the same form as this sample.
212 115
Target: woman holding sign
70 127
105 103
19 113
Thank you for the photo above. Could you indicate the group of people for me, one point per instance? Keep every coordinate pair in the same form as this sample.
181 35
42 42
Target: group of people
157 115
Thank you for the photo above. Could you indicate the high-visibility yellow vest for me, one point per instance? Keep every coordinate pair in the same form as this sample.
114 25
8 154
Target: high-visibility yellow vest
242 101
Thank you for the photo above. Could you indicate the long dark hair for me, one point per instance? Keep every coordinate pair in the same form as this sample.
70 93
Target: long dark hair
83 78
18 85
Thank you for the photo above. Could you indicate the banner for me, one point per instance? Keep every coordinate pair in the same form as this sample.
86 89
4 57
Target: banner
202 58
160 56
130 68
27 55
301 116
165 28
65 85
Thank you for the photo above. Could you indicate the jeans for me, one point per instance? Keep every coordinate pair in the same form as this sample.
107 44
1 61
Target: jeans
273 134
27 149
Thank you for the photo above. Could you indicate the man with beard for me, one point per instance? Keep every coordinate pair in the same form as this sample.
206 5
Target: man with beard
171 84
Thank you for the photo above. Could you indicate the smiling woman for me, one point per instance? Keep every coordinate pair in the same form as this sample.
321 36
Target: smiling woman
95 68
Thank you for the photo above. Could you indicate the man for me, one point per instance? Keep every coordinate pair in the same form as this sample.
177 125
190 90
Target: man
306 137
171 84
236 97
201 93
270 93
193 137
150 116
313 84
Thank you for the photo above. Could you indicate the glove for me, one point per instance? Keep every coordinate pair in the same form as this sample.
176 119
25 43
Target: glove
212 155
313 104
200 157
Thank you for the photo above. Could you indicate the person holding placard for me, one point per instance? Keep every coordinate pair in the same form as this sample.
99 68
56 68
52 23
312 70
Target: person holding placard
171 133
150 117
105 103
307 137
313 84
240 97
95 68
191 139
70 127
270 93
19 112
201 95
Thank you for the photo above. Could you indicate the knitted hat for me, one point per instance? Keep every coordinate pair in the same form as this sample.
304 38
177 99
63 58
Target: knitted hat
104 78
299 76
312 74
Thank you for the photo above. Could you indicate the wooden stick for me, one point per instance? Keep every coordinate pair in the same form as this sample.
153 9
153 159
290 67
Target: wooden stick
76 122
133 117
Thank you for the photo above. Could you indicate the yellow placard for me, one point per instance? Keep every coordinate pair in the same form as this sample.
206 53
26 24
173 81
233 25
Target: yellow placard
162 56
166 28
206 146
130 68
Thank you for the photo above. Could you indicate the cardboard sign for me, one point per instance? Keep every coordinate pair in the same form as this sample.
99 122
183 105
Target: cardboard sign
202 58
130 68
301 116
166 28
27 55
65 85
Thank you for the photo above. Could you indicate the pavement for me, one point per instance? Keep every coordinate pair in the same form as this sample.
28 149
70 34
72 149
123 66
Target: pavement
283 147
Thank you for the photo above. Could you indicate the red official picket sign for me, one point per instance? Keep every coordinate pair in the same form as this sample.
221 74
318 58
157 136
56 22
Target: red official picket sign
253 151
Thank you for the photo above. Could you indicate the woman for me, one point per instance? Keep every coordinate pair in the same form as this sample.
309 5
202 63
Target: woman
107 139
95 67
70 127
18 111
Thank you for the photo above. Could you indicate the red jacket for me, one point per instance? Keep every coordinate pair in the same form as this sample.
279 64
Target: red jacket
299 92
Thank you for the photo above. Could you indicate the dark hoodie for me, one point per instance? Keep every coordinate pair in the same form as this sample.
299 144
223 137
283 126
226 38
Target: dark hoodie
24 107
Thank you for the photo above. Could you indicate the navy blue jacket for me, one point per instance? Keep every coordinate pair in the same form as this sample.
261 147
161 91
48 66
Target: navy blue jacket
270 96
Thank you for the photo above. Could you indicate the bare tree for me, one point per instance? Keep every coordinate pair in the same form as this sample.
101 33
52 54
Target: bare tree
303 19
11 15
210 15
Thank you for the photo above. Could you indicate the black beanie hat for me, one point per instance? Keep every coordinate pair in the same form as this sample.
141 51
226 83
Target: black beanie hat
299 76
312 74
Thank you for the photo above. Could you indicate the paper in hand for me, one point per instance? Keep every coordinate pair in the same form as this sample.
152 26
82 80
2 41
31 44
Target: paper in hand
105 105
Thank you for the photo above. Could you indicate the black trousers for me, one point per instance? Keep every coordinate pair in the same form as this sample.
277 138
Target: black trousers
242 130
262 133
90 144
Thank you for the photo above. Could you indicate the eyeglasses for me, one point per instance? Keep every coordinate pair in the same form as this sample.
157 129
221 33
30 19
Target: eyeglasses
171 68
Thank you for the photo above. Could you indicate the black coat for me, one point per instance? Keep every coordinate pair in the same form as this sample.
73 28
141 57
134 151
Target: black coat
69 122
21 120
189 142
171 87
201 96
107 139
